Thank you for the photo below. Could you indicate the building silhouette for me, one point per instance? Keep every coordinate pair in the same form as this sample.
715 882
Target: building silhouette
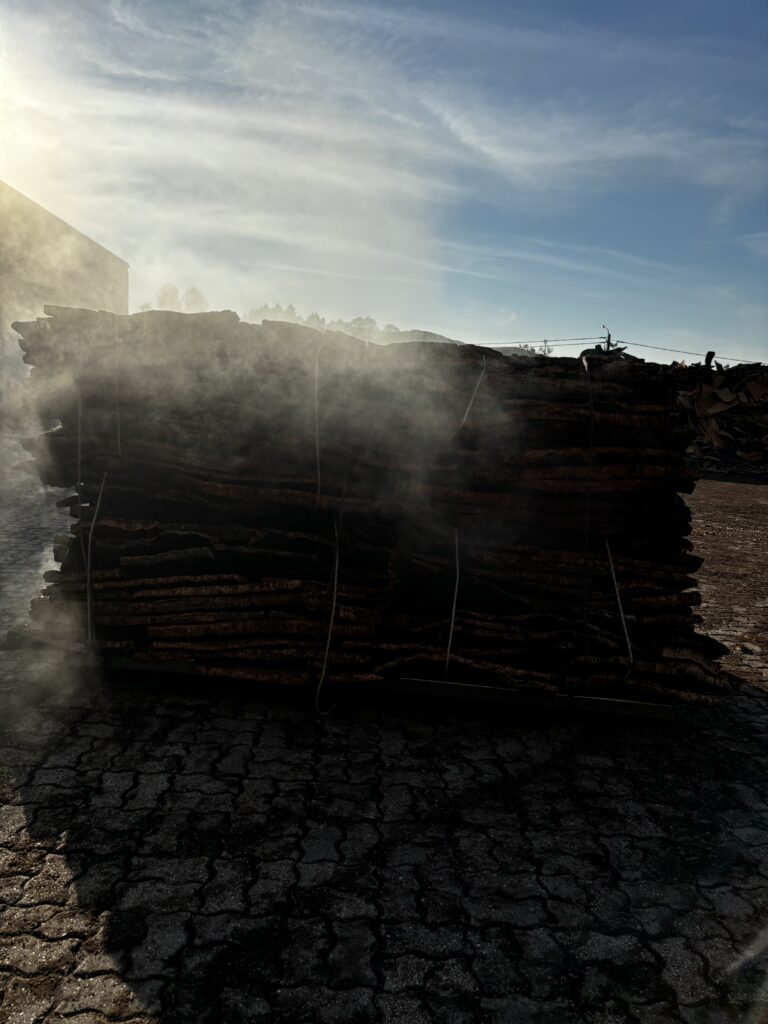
44 260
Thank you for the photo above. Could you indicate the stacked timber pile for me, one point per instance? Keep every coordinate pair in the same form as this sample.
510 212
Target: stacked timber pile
284 505
728 409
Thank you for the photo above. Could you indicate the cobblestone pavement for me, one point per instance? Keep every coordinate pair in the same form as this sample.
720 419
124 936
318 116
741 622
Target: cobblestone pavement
172 854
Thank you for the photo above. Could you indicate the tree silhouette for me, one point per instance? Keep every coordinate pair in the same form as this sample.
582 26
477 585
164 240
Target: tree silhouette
195 301
168 298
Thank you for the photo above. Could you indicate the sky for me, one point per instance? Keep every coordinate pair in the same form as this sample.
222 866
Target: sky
496 171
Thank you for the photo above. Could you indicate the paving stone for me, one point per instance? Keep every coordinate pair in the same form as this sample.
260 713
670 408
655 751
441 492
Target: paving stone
720 956
516 913
255 796
234 761
98 882
268 845
157 896
31 955
353 1006
440 907
21 920
65 924
656 1013
332 904
396 803
27 1000
684 971
417 939
171 870
515 1009
362 879
400 906
49 885
316 874
495 964
304 958
22 861
730 904
12 890
722 1014
278 873
445 1010
402 1009
108 994
611 1013
320 844
450 978
13 821
210 929
226 890
239 1007
634 979
404 972
166 935
114 788
350 958
600 946
658 893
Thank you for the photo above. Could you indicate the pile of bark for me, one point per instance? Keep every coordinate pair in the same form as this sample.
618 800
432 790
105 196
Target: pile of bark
728 409
286 505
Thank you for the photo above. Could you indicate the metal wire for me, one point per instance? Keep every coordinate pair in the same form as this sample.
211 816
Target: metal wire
587 503
336 529
317 428
455 601
88 590
79 484
566 343
471 400
685 352
117 408
543 341
618 601
321 680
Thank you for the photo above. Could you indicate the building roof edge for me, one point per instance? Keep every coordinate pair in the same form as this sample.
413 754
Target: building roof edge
5 185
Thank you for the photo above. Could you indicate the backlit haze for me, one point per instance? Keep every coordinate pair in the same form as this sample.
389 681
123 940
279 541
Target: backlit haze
496 172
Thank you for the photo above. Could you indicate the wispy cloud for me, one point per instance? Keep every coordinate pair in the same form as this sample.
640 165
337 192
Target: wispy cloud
261 146
322 152
757 242
552 147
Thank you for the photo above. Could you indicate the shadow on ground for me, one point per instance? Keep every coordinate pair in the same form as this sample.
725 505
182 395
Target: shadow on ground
184 856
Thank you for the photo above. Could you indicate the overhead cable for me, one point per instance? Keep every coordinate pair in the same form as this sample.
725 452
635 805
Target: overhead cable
685 352
635 344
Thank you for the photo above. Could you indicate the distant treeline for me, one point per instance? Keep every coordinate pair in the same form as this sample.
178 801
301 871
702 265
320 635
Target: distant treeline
192 300
364 327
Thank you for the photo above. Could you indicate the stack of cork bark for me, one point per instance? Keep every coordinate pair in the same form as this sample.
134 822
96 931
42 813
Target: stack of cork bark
285 505
728 409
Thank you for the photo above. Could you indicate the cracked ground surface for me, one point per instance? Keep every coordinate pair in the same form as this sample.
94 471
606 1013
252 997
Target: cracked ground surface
177 854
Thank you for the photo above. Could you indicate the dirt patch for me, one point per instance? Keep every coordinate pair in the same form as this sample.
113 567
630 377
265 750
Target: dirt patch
730 531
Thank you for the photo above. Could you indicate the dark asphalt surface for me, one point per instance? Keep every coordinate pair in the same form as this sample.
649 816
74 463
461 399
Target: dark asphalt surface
170 853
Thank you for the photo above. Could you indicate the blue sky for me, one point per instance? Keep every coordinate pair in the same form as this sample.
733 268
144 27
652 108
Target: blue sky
493 171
